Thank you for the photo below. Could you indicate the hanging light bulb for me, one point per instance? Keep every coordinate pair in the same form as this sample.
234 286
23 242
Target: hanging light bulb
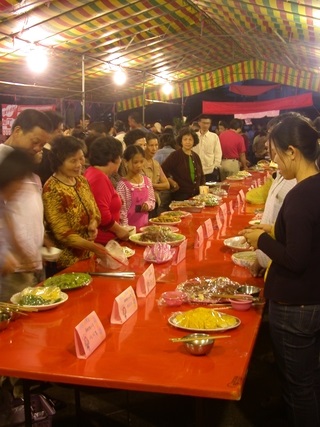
37 60
119 77
167 88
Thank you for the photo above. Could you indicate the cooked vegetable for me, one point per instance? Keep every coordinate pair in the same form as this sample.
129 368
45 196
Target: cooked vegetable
204 318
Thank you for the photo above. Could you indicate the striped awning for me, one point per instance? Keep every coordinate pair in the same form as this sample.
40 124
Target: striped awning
194 44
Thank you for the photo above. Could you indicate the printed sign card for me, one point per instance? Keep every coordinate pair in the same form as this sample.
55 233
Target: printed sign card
218 219
231 210
242 196
180 253
124 306
88 335
146 282
199 237
223 209
208 227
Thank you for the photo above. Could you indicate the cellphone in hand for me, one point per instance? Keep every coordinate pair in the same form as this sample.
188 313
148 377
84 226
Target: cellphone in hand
138 208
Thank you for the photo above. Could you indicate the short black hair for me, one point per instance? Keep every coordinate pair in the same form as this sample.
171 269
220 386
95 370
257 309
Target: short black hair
16 165
133 135
56 118
30 118
151 135
103 150
131 151
63 147
187 131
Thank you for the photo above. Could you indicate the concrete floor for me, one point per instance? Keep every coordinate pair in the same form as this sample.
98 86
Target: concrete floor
260 405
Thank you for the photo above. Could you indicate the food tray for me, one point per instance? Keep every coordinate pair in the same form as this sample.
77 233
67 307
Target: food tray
204 290
187 205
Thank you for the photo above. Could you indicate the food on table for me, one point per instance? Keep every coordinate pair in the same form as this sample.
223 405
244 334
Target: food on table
235 178
187 205
128 252
159 235
237 243
40 295
69 280
204 318
165 218
246 174
175 214
159 227
207 199
208 289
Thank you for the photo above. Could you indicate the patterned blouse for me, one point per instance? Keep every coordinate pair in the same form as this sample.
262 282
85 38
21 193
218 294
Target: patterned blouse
68 210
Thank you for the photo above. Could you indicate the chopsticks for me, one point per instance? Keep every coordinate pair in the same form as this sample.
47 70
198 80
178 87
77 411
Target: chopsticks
17 307
209 337
122 274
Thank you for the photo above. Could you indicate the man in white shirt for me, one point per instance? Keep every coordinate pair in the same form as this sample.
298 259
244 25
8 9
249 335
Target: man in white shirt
208 149
30 131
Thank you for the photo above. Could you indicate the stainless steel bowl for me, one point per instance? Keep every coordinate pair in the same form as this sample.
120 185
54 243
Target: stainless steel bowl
201 345
5 318
249 290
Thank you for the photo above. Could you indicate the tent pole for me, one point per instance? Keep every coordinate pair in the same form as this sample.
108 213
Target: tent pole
83 94
144 98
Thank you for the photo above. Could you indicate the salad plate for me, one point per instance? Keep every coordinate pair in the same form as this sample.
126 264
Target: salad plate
40 307
69 281
173 239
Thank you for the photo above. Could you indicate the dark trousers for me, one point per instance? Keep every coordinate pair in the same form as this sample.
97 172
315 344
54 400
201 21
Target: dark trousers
295 333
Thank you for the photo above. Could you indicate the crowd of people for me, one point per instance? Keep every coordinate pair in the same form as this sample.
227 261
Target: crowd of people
78 190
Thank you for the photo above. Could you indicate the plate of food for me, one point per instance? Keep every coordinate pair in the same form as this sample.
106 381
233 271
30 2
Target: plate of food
203 320
208 290
150 238
176 214
208 199
254 222
160 227
68 281
237 243
187 205
40 298
235 178
244 259
165 220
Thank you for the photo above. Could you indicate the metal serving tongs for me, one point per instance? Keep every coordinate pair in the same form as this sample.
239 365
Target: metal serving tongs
16 307
209 337
120 274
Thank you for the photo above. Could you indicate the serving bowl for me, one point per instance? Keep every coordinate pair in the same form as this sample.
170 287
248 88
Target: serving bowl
174 298
254 291
51 254
237 243
201 345
241 304
244 258
5 319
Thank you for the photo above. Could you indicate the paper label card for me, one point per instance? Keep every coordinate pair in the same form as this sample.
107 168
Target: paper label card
88 335
223 209
199 237
124 305
208 227
218 219
242 196
180 254
231 210
146 282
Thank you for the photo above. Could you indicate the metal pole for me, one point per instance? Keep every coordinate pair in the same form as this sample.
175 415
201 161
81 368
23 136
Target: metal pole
144 98
182 101
83 94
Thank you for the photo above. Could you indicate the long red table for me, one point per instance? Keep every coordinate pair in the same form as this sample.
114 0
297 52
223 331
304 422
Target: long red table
138 354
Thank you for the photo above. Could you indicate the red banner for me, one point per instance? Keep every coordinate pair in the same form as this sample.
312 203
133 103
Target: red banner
10 112
251 90
289 103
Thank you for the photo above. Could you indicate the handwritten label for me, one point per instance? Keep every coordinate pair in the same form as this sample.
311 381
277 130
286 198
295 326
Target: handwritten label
218 219
199 237
124 306
231 210
88 335
223 209
208 227
180 254
242 196
146 282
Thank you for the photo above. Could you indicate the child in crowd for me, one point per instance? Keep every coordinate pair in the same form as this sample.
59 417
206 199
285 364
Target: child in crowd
135 189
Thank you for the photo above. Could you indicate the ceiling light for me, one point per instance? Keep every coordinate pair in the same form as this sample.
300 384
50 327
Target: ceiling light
119 77
167 88
37 60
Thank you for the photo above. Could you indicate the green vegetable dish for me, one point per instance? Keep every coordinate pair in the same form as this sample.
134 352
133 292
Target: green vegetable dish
69 281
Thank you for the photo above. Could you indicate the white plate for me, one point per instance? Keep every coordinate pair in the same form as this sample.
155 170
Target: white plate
69 281
244 259
128 251
254 222
135 238
15 298
237 243
148 227
51 254
174 214
173 222
235 178
172 322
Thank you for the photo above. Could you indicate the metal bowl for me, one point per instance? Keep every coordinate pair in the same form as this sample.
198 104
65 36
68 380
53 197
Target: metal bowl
4 320
249 290
201 346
